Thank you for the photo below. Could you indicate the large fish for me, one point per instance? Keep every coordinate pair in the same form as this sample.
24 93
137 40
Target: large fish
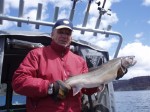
104 74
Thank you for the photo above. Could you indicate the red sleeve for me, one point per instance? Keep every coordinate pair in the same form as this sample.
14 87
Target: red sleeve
25 79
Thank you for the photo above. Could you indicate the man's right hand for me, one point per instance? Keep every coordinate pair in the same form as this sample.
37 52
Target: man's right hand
59 90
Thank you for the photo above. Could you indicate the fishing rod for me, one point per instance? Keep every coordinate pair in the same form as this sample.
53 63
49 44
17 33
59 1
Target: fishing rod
39 14
102 11
86 15
1 9
21 10
73 9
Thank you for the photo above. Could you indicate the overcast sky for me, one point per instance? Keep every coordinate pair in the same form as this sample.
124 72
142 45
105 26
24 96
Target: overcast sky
131 18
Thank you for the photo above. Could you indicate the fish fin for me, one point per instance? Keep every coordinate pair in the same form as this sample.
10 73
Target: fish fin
76 90
101 87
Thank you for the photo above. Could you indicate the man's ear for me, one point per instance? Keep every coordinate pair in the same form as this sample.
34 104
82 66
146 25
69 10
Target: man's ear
52 33
70 40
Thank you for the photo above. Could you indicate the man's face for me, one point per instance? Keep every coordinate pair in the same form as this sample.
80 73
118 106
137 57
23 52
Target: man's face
62 36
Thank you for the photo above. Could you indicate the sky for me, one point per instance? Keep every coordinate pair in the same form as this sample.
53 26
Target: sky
130 18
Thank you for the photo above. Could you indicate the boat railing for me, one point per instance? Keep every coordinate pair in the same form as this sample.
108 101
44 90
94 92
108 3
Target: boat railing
39 22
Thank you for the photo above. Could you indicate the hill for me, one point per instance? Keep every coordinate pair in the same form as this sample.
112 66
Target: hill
136 83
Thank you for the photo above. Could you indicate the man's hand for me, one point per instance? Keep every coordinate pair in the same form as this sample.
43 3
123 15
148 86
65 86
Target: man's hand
60 90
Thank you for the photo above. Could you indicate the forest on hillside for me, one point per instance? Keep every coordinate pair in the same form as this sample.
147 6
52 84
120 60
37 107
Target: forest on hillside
136 83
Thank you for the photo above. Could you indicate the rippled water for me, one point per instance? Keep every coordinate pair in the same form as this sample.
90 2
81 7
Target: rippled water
125 101
132 101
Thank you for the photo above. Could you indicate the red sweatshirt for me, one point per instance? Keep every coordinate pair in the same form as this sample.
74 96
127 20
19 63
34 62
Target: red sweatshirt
43 66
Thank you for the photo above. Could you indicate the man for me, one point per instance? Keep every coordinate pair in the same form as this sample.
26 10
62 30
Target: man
41 74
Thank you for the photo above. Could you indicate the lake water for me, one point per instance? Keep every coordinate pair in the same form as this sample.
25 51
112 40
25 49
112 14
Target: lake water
132 101
126 101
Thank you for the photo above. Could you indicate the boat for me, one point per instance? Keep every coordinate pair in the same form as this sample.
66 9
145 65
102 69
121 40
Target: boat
14 45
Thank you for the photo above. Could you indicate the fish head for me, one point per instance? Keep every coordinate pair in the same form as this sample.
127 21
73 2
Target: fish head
128 61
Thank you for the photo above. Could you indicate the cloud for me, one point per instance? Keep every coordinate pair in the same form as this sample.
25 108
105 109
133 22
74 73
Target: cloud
8 4
142 55
146 2
139 35
63 14
61 3
6 25
106 43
